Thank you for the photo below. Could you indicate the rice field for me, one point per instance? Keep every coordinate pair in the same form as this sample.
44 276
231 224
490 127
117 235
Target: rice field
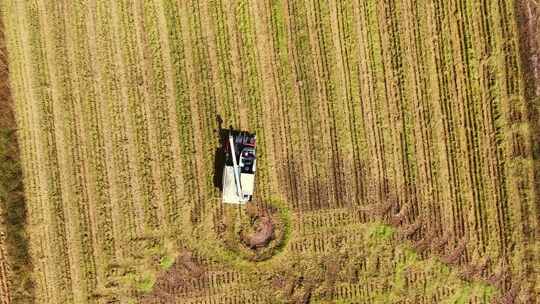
393 136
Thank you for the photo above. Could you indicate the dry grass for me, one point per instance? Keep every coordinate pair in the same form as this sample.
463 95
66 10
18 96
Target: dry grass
381 126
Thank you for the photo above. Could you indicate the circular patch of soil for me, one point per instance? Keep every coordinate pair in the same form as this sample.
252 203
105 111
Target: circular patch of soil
263 231
257 232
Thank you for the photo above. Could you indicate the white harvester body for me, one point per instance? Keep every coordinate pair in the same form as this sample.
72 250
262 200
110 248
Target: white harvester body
239 170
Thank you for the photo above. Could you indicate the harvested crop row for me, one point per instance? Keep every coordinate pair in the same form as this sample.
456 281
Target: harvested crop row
48 204
344 22
176 181
290 137
252 87
202 103
27 148
182 113
69 156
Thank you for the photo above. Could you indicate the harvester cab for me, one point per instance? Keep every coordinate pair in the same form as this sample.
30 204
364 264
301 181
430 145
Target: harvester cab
240 167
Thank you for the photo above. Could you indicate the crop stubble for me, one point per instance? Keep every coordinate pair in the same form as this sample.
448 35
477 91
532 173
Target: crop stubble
353 102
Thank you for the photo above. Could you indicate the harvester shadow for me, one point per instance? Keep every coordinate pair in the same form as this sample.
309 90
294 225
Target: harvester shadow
219 154
219 163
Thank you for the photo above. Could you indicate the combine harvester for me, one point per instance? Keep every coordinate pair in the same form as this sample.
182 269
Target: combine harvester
240 166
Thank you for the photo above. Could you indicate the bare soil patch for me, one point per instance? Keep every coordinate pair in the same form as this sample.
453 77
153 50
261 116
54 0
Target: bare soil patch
181 278
263 226
528 13
529 22
7 118
257 233
15 266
